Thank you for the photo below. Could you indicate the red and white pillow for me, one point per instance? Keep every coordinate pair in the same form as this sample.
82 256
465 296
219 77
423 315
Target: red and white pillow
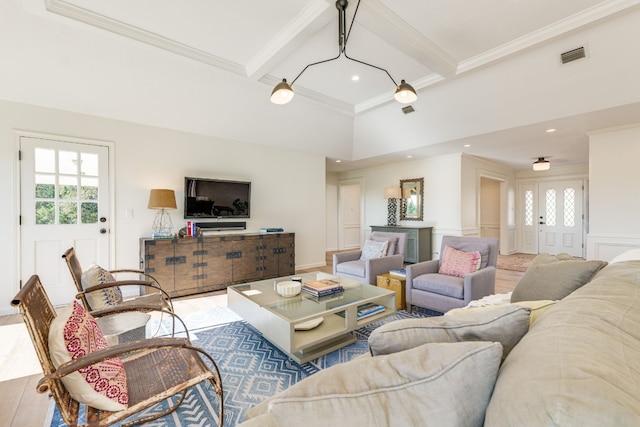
459 263
74 333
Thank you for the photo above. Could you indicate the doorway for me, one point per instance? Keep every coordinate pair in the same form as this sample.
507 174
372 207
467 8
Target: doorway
64 201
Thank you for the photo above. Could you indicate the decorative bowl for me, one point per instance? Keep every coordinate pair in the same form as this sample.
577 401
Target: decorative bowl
288 288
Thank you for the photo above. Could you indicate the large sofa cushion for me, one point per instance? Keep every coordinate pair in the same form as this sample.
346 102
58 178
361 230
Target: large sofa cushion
537 308
579 364
503 324
552 277
442 384
442 284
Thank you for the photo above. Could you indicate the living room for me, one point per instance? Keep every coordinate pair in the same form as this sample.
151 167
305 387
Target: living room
58 70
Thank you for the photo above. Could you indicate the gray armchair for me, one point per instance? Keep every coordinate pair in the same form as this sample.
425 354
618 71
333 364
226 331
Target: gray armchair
429 289
349 264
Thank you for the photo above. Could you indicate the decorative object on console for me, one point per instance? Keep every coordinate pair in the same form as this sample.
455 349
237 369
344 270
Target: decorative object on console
541 164
162 199
392 194
412 199
283 93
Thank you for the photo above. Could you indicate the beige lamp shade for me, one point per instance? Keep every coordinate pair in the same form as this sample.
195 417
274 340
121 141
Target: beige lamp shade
392 193
162 199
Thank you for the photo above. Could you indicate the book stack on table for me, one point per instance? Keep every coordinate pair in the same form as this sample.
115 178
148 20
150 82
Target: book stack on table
369 309
399 272
321 288
366 310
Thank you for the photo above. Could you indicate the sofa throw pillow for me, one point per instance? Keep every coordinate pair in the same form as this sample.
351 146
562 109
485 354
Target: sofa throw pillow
503 324
104 298
552 277
74 333
372 249
407 389
537 308
458 263
391 246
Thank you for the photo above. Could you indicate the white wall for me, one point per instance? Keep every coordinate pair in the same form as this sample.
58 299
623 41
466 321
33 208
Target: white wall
288 187
613 197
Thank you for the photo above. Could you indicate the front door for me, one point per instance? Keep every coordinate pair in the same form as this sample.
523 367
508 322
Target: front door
560 219
64 202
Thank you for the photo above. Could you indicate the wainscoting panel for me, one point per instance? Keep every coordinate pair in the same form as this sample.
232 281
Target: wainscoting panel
606 247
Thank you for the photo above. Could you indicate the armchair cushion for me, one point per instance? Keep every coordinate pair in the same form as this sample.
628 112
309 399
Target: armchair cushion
372 249
405 388
393 242
552 277
74 333
504 324
104 298
459 263
353 268
451 286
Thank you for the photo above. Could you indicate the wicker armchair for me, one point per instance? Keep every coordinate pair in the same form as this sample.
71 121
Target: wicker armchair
175 361
154 297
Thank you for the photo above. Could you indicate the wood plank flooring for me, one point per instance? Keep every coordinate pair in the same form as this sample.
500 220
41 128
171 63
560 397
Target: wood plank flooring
21 405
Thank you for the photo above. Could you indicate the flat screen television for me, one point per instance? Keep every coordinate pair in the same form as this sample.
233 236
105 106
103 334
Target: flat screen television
216 198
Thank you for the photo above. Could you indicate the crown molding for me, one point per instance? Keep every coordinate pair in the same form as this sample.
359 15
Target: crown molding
80 14
571 23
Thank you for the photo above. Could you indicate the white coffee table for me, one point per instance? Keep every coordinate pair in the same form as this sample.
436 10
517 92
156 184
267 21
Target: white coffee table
277 317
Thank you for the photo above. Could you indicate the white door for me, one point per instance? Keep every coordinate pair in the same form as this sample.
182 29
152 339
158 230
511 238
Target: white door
64 202
349 221
560 217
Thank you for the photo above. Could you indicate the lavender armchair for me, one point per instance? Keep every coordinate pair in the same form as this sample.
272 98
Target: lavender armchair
349 264
429 289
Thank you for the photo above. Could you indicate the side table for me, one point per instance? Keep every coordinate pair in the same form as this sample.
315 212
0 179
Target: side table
396 284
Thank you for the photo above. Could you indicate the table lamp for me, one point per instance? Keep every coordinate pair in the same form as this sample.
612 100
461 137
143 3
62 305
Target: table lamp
391 194
162 199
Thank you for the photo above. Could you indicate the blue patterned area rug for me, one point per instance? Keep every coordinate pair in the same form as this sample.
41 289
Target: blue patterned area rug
252 370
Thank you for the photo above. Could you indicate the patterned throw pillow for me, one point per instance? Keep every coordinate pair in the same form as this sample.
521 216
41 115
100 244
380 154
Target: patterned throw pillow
373 249
74 333
103 298
458 263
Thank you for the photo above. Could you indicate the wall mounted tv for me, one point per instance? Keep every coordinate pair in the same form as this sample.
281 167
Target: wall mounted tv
215 198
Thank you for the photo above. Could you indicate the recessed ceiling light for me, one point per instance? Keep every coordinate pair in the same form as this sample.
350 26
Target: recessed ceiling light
355 78
550 130
338 161
409 156
467 145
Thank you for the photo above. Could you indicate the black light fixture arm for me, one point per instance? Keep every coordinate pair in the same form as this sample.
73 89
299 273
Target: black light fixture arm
343 37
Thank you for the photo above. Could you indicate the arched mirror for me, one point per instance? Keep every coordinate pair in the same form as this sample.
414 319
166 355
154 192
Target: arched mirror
412 199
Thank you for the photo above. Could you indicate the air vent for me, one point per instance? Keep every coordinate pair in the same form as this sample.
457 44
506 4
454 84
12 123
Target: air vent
408 109
572 55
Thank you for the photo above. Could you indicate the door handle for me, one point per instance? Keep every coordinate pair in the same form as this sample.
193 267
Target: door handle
103 231
541 223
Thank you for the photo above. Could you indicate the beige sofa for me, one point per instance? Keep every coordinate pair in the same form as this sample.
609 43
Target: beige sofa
578 364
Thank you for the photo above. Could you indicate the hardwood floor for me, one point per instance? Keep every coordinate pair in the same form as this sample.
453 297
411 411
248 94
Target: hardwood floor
21 405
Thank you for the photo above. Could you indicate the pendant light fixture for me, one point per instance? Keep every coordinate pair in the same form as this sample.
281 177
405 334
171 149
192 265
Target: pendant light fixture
541 165
283 92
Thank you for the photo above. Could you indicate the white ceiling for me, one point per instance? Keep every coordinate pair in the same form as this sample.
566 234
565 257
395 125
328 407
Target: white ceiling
439 46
